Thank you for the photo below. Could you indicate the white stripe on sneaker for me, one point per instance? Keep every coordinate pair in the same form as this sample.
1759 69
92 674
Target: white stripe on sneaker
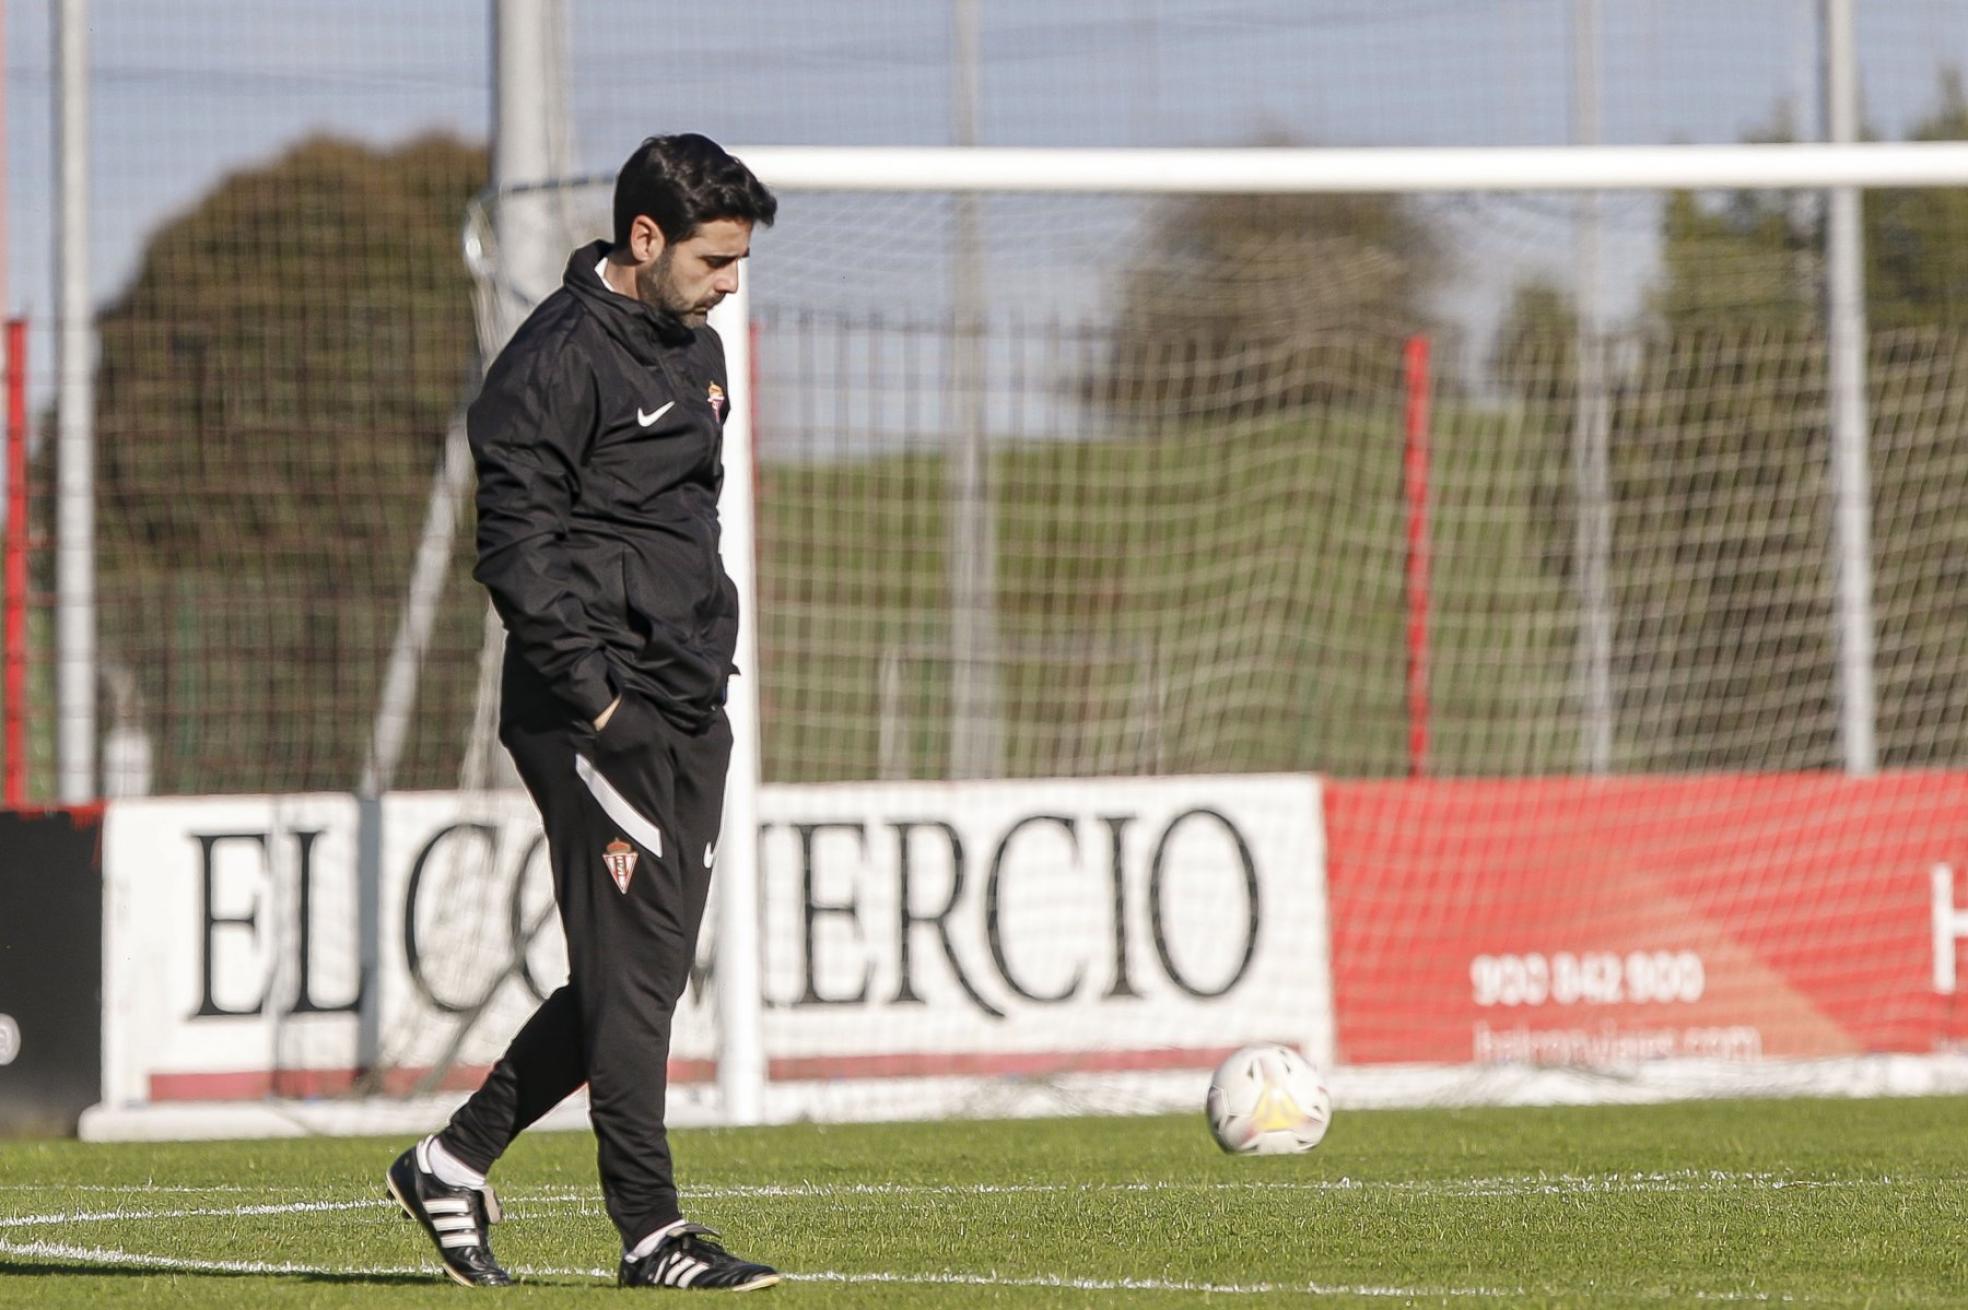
447 1205
457 1239
696 1267
453 1223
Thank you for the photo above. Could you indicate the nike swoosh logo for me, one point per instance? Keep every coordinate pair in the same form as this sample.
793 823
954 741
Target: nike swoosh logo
647 419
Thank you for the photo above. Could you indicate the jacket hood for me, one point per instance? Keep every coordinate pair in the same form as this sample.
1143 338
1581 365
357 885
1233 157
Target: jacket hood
639 327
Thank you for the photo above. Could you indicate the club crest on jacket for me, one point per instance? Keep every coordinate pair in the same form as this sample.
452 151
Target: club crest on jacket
716 396
620 857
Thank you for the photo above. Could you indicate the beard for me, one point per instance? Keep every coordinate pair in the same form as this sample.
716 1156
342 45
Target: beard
655 288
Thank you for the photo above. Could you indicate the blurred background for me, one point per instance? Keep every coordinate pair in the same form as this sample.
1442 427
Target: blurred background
1194 553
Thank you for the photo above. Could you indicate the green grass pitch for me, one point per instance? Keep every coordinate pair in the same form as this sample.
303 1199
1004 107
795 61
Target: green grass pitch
1810 1203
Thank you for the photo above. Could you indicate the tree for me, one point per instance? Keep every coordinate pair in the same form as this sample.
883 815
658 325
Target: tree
1758 257
276 384
1724 577
1535 355
1233 298
1917 241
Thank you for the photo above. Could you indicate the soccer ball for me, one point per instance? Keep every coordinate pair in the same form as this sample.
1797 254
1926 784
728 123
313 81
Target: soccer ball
1268 1100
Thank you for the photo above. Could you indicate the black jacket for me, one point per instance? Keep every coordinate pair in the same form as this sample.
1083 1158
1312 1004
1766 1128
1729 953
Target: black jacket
598 438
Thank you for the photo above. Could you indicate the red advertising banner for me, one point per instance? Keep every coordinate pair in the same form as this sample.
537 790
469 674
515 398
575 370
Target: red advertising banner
1611 921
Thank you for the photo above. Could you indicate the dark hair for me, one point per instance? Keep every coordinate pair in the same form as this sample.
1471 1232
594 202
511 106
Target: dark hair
684 181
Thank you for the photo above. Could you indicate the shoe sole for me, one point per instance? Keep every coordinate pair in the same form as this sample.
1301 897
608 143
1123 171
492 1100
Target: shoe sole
762 1281
389 1184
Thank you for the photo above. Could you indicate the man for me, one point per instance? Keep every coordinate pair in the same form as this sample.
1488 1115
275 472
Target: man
598 442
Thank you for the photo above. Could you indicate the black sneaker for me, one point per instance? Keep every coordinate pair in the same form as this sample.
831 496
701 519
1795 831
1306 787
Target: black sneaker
686 1259
456 1218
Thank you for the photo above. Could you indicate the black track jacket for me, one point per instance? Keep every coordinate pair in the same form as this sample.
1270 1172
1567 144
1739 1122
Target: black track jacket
598 439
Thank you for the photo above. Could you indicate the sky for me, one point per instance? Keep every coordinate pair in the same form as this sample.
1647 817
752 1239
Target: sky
185 91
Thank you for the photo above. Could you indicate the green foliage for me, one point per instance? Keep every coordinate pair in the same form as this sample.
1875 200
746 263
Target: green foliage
1723 578
1917 241
1536 348
275 388
1751 260
1757 257
1221 597
1226 303
1725 634
1822 1203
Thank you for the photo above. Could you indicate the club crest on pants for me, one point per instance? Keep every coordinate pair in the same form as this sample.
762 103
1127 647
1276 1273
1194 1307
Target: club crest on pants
620 857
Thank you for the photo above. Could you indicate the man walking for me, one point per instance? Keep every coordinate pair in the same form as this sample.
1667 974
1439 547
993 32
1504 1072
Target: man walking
598 442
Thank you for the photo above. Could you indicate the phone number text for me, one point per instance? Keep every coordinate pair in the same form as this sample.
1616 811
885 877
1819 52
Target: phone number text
1587 978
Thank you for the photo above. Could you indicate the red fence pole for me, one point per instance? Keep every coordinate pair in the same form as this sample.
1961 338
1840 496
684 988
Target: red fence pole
1415 487
13 566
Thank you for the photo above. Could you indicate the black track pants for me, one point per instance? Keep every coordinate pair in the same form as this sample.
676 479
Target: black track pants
632 817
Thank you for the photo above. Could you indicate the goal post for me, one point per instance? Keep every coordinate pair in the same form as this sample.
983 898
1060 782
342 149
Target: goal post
741 1067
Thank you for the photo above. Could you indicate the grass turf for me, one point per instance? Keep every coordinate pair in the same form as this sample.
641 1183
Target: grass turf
1855 1203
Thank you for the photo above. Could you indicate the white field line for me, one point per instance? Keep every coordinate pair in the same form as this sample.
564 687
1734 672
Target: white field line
1526 1185
198 1212
155 1189
98 1255
1522 1185
185 1264
1158 1285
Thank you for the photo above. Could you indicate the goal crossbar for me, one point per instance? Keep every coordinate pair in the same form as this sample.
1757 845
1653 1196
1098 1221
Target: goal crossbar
1259 170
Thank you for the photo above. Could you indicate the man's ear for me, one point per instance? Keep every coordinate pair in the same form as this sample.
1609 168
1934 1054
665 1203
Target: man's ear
645 239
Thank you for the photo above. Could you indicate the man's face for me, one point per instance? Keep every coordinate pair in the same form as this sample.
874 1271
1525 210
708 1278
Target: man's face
691 276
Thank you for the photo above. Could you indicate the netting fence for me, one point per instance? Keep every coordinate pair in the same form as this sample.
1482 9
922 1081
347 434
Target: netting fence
1193 410
1201 548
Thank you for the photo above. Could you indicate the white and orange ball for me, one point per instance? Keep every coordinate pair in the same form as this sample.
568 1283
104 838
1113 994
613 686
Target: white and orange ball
1268 1100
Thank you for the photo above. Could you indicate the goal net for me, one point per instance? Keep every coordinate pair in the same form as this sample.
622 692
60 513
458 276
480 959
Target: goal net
1490 634
1521 519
